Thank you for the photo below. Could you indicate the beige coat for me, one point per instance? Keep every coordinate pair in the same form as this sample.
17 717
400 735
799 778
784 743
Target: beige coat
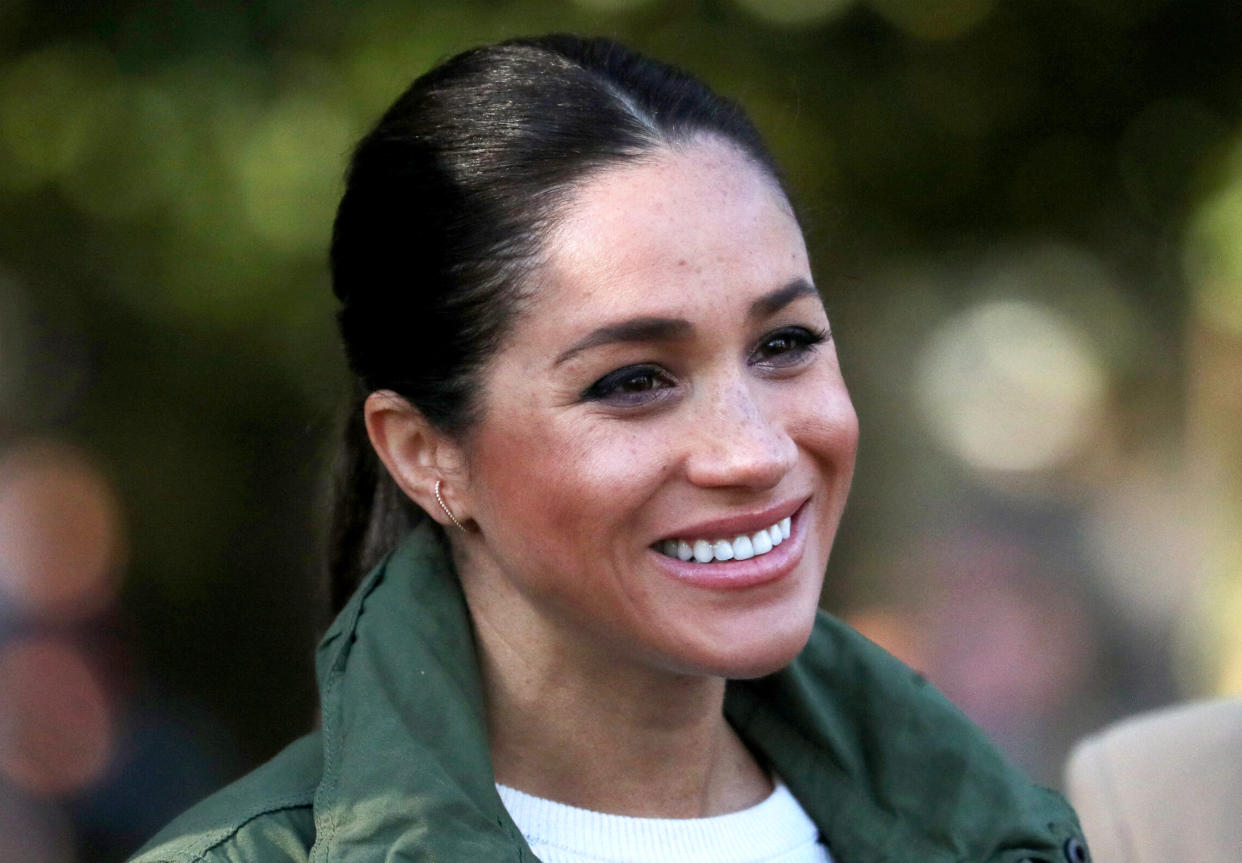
1164 786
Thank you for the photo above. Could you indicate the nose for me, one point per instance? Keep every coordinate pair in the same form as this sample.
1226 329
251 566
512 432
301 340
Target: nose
738 441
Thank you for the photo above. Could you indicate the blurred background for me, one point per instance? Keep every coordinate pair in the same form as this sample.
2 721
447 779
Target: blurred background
1026 218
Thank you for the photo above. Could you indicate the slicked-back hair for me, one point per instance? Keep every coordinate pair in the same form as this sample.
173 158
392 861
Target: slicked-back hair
448 204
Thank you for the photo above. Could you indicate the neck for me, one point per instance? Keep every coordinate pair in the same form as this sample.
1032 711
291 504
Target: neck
581 728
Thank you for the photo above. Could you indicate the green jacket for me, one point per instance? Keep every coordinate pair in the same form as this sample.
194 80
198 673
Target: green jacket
399 770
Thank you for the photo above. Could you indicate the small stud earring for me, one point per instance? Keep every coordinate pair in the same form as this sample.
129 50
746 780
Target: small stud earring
444 506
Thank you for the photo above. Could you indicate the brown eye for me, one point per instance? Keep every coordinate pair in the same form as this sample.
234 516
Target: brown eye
638 383
787 346
778 345
630 386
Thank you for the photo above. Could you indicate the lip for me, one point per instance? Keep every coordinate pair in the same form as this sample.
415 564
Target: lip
739 574
734 525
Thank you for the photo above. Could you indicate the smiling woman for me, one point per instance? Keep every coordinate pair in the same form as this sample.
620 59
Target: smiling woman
599 452
692 405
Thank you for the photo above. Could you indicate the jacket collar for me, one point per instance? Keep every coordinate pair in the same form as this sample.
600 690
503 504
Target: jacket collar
406 771
881 762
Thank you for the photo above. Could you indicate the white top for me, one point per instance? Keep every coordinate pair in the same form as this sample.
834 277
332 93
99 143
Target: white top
776 830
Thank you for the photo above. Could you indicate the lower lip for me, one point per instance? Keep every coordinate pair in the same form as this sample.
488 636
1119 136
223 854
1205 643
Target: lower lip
740 574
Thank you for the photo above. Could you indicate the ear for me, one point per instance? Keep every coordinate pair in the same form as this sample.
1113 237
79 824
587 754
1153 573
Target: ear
415 452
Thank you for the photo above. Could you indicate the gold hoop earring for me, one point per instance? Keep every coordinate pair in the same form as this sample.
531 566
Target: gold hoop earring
444 506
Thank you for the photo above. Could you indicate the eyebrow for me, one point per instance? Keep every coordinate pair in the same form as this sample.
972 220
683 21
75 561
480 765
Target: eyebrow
656 329
634 330
770 304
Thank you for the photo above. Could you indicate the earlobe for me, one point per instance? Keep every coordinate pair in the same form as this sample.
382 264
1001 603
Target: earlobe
421 459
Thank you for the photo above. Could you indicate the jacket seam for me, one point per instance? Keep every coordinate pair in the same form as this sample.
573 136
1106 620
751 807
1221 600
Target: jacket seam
327 789
298 800
327 786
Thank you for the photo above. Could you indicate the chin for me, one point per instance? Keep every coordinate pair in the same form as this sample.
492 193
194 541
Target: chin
760 649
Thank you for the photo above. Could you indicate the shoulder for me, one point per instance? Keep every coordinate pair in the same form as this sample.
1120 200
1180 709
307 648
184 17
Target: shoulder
891 763
1156 742
264 816
1163 783
890 716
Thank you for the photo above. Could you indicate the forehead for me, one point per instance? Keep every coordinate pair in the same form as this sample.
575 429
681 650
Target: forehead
701 223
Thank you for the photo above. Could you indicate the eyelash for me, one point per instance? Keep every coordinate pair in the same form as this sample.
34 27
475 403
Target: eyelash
615 389
804 341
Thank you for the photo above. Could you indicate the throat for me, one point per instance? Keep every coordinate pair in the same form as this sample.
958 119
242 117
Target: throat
626 761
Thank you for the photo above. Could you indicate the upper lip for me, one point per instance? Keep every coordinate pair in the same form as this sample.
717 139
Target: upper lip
739 523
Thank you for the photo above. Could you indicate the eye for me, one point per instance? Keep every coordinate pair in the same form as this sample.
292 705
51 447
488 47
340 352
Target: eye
631 386
787 346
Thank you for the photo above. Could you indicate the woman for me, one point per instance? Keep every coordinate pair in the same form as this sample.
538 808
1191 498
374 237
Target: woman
591 355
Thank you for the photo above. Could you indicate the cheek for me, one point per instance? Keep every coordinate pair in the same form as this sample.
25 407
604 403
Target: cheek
561 487
823 422
840 429
561 509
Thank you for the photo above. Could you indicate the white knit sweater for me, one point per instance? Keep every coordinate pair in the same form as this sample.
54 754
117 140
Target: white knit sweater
776 830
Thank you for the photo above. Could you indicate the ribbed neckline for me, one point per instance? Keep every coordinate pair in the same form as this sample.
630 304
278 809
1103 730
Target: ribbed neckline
775 826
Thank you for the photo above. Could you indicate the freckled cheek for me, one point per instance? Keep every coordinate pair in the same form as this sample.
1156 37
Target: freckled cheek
610 475
826 426
556 488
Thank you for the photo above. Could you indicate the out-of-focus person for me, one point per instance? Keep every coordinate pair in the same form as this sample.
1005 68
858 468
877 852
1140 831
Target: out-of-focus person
1163 786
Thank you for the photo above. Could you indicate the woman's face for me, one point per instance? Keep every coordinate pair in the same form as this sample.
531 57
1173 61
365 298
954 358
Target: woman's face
669 390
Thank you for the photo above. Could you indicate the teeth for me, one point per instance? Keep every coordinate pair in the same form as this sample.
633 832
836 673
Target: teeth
741 547
762 542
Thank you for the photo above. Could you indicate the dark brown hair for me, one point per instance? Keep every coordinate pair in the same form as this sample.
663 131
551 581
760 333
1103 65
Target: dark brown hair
446 207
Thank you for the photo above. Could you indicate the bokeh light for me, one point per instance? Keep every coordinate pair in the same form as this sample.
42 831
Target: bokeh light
1145 536
57 726
52 106
1211 638
612 5
1010 385
140 154
31 831
934 19
795 13
290 169
60 532
1213 258
383 44
977 615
